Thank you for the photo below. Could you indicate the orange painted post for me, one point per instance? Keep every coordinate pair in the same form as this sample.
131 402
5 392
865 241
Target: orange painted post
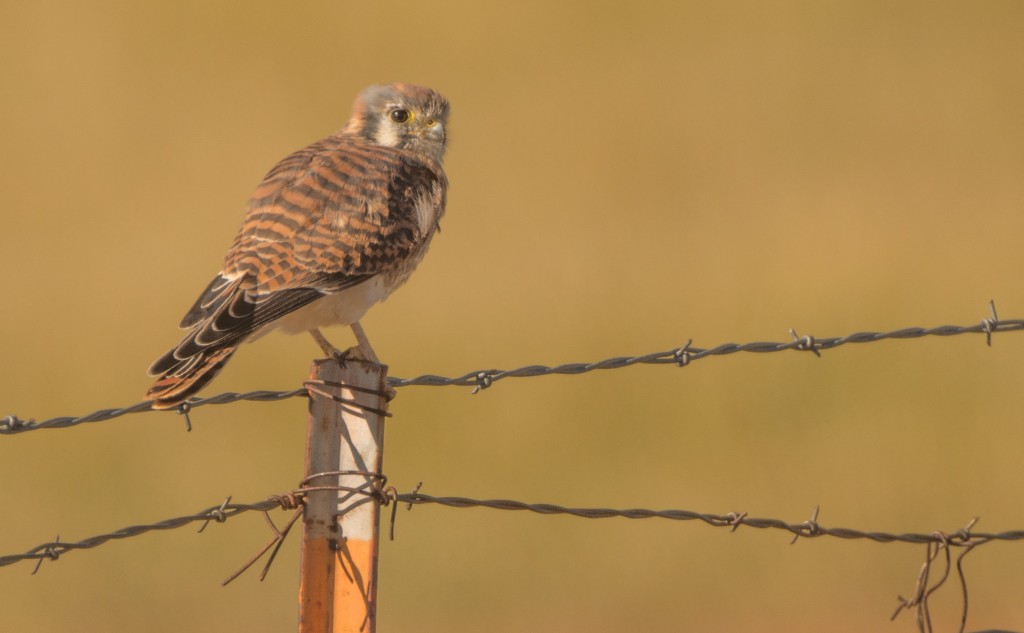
338 579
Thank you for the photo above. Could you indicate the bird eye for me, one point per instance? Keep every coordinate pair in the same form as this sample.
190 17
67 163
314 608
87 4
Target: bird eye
399 115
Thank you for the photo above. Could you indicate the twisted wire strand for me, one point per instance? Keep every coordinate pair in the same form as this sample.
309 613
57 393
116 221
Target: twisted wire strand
687 354
12 424
52 550
810 528
482 379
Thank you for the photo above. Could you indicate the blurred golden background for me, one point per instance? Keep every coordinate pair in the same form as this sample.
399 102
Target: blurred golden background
625 176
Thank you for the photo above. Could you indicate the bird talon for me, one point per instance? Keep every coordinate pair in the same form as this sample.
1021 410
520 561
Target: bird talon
343 356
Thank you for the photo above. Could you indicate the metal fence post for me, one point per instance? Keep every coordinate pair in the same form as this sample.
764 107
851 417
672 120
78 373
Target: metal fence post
338 580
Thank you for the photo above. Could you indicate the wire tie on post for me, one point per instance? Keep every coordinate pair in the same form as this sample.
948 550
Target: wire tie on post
963 583
920 588
183 409
941 544
391 497
217 514
281 536
483 380
682 355
379 489
274 546
287 501
805 343
311 388
304 485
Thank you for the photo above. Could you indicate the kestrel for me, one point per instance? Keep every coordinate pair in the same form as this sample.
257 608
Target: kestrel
333 229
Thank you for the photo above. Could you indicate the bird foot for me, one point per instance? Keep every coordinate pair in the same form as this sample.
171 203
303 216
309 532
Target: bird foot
362 352
343 356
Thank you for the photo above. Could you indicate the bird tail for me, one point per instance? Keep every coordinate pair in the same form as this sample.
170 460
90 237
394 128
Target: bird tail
178 381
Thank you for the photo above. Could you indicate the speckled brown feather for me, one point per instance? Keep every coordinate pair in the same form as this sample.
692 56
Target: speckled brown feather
329 217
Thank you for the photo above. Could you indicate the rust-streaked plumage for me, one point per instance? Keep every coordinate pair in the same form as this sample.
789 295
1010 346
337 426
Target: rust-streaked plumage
332 229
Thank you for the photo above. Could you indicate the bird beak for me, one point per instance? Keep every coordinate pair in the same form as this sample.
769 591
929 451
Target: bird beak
432 130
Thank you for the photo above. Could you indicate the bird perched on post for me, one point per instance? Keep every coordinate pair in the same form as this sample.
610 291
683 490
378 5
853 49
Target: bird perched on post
333 229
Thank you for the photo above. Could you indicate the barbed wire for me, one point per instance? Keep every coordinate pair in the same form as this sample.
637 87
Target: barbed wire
938 543
54 549
12 424
810 528
935 542
482 379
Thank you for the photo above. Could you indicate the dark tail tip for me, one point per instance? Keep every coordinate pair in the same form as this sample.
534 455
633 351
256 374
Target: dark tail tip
171 389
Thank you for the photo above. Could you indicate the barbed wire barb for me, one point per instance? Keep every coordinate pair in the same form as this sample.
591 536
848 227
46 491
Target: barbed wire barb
991 323
183 409
49 553
805 343
216 515
811 525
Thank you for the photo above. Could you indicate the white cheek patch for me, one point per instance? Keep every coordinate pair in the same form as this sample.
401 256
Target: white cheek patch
388 136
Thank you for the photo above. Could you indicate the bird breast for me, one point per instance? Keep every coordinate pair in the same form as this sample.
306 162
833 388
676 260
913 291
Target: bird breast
349 305
342 308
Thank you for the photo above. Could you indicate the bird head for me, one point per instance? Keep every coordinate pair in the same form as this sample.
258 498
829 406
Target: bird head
403 116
